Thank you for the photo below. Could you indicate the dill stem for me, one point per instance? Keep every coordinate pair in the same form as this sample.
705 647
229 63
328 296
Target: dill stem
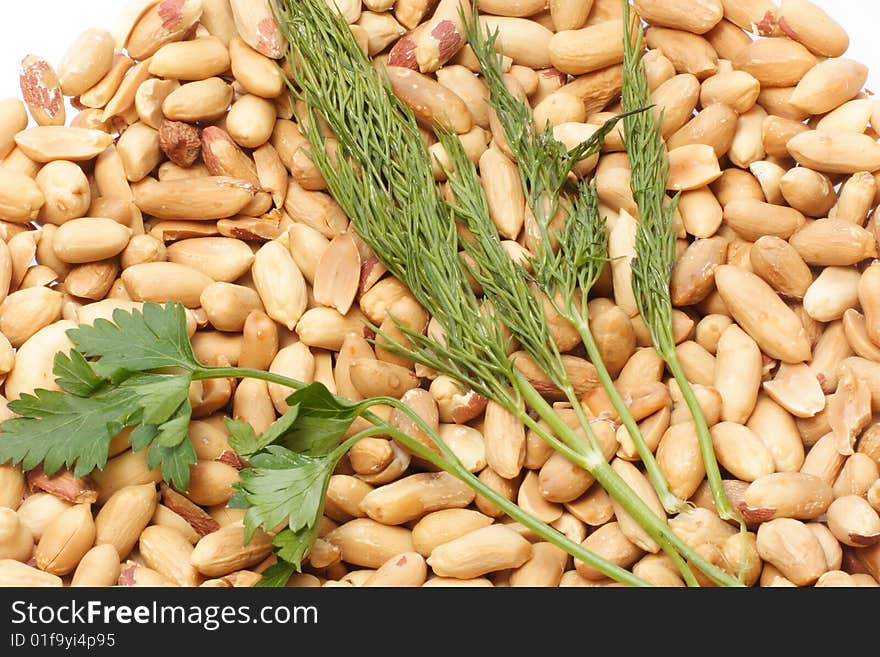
454 467
447 462
670 502
665 545
621 491
713 473
655 241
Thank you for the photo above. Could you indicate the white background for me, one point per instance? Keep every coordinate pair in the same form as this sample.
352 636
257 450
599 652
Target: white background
47 27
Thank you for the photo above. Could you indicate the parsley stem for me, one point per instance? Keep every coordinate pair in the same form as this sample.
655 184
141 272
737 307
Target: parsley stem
347 444
454 467
245 373
447 462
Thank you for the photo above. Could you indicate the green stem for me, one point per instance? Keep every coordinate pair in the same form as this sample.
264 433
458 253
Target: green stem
713 473
549 534
450 464
595 447
621 492
550 439
246 373
670 502
346 445
589 462
592 462
520 413
545 435
664 544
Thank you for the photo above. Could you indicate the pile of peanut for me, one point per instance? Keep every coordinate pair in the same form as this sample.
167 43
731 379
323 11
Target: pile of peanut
181 176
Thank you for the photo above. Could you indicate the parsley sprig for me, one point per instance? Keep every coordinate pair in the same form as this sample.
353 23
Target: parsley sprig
135 372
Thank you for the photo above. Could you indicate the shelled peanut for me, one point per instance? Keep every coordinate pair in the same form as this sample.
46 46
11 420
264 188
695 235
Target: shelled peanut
182 175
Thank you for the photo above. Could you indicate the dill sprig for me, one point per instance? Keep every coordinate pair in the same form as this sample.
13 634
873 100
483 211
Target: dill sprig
388 191
544 162
504 284
382 178
655 240
583 247
383 181
568 274
571 275
503 281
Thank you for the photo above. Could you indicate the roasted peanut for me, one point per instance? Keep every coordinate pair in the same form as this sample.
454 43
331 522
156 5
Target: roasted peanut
479 552
365 542
124 516
100 566
66 540
224 551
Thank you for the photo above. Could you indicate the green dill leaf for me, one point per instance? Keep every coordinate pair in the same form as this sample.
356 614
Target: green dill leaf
583 249
655 240
383 180
277 575
284 486
140 341
544 163
504 282
75 374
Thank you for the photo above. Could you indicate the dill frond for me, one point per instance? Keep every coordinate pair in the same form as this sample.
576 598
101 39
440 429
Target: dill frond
655 239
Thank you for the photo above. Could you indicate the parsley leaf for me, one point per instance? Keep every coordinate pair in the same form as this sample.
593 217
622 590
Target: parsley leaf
277 575
64 430
284 486
68 430
292 547
117 390
175 462
314 425
244 440
75 374
290 467
321 422
137 340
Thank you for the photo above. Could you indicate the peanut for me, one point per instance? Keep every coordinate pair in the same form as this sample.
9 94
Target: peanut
66 540
124 516
792 548
224 551
480 552
100 566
